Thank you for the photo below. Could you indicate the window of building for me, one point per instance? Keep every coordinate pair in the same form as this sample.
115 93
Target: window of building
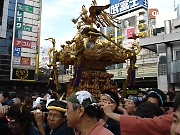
178 55
11 6
12 1
10 23
2 50
9 35
120 65
10 13
1 10
119 32
8 43
6 50
21 1
5 66
9 46
110 67
18 34
162 60
2 42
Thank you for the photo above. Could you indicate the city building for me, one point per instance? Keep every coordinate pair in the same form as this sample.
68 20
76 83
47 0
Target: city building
20 22
166 44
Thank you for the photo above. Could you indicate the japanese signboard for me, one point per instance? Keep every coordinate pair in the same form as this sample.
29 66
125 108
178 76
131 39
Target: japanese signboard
119 7
26 39
17 51
25 61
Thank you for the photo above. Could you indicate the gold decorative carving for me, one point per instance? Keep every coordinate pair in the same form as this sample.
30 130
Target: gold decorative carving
22 73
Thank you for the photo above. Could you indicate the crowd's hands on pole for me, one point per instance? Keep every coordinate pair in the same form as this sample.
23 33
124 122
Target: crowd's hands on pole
39 116
3 110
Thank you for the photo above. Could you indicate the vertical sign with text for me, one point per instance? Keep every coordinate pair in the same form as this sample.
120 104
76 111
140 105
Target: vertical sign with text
26 32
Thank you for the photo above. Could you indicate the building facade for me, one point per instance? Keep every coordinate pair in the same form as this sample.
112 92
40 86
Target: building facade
165 43
19 39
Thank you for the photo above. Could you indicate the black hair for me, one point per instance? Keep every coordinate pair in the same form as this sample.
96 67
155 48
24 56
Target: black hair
20 114
177 102
54 95
171 94
148 110
158 94
25 99
61 104
113 95
92 111
6 94
142 92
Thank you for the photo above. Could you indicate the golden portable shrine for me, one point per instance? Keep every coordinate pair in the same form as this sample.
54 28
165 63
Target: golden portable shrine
90 55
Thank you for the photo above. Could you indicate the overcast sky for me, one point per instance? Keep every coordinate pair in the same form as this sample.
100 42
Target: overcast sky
57 15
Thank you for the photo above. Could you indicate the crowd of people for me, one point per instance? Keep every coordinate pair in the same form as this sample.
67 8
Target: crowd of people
146 113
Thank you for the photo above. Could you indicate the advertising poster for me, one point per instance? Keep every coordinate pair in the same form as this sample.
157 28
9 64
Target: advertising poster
128 29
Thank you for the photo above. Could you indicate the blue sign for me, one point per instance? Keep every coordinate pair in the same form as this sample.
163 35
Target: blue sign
119 7
17 51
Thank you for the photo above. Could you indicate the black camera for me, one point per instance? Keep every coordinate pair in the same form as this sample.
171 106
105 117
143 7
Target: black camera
43 105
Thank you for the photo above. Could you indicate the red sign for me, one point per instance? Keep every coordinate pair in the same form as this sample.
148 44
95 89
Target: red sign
17 42
26 43
25 61
130 32
153 12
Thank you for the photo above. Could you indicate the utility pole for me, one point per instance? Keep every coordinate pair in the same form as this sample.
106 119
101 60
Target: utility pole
174 5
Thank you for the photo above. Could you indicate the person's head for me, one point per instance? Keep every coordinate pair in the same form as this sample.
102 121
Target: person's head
80 106
19 118
148 110
110 97
23 98
142 94
4 96
156 96
170 95
175 127
132 103
56 115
